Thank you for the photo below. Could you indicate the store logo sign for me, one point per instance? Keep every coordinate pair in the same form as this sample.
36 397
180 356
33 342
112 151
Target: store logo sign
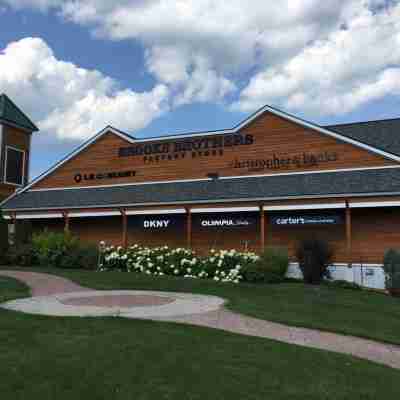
103 176
286 162
286 220
156 224
225 222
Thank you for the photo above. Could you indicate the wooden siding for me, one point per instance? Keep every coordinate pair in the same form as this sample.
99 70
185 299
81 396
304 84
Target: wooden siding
273 137
19 139
5 191
373 232
291 236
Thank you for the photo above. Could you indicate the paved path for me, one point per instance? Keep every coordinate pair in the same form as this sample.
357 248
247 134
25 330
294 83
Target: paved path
47 287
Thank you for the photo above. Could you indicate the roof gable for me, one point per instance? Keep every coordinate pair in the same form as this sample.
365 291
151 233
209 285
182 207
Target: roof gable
9 112
239 127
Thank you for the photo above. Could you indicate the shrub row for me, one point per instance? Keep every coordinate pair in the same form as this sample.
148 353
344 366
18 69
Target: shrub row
52 249
221 266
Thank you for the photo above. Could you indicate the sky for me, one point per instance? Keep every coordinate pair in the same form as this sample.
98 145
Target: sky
159 67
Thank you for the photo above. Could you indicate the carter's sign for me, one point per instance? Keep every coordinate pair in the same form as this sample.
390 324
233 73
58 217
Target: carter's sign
298 220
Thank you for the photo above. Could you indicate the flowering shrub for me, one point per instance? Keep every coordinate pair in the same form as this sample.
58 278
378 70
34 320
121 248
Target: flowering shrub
221 266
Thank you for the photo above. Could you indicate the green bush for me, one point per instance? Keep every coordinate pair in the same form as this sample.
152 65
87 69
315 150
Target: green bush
314 256
391 266
62 250
21 255
271 267
3 239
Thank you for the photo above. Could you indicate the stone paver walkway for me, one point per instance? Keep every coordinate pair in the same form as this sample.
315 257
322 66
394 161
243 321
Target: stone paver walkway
210 314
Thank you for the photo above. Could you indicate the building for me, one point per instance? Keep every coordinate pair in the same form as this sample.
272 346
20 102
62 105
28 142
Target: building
271 180
15 143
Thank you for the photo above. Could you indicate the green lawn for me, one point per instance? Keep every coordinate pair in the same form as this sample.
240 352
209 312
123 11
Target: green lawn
113 358
359 313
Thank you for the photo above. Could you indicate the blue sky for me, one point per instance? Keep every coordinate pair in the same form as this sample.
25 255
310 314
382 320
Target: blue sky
163 67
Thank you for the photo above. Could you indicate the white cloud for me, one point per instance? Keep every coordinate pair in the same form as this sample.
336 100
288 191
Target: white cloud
72 102
348 69
318 56
202 49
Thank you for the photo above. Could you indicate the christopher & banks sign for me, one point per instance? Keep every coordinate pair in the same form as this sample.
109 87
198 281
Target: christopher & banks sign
302 160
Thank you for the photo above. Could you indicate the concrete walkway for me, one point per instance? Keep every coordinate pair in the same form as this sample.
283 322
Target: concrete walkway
208 312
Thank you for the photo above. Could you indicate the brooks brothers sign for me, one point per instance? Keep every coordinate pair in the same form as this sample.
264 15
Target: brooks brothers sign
205 146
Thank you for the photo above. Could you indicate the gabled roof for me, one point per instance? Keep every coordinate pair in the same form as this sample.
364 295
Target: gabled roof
382 134
130 139
379 181
10 113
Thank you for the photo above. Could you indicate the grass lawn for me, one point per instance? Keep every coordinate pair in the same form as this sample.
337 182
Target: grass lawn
352 312
113 358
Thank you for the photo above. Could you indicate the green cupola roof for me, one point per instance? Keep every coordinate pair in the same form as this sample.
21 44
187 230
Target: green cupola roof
9 112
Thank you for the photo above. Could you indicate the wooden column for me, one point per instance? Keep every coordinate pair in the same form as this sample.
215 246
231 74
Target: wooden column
262 228
13 240
348 234
66 221
188 228
124 229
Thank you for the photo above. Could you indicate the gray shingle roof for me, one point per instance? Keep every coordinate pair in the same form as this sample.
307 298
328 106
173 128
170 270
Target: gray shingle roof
384 134
267 187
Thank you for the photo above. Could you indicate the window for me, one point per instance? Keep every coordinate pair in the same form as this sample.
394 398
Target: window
14 166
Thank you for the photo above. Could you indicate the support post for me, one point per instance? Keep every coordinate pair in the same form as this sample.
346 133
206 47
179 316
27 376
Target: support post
124 229
66 221
188 228
12 239
262 228
348 234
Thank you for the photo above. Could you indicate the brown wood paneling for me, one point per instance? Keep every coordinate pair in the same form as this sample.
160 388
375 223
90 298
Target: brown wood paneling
274 137
96 229
5 191
374 231
52 225
19 139
291 236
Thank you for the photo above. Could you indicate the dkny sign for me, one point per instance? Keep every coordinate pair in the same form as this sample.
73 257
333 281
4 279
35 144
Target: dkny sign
156 223
153 223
